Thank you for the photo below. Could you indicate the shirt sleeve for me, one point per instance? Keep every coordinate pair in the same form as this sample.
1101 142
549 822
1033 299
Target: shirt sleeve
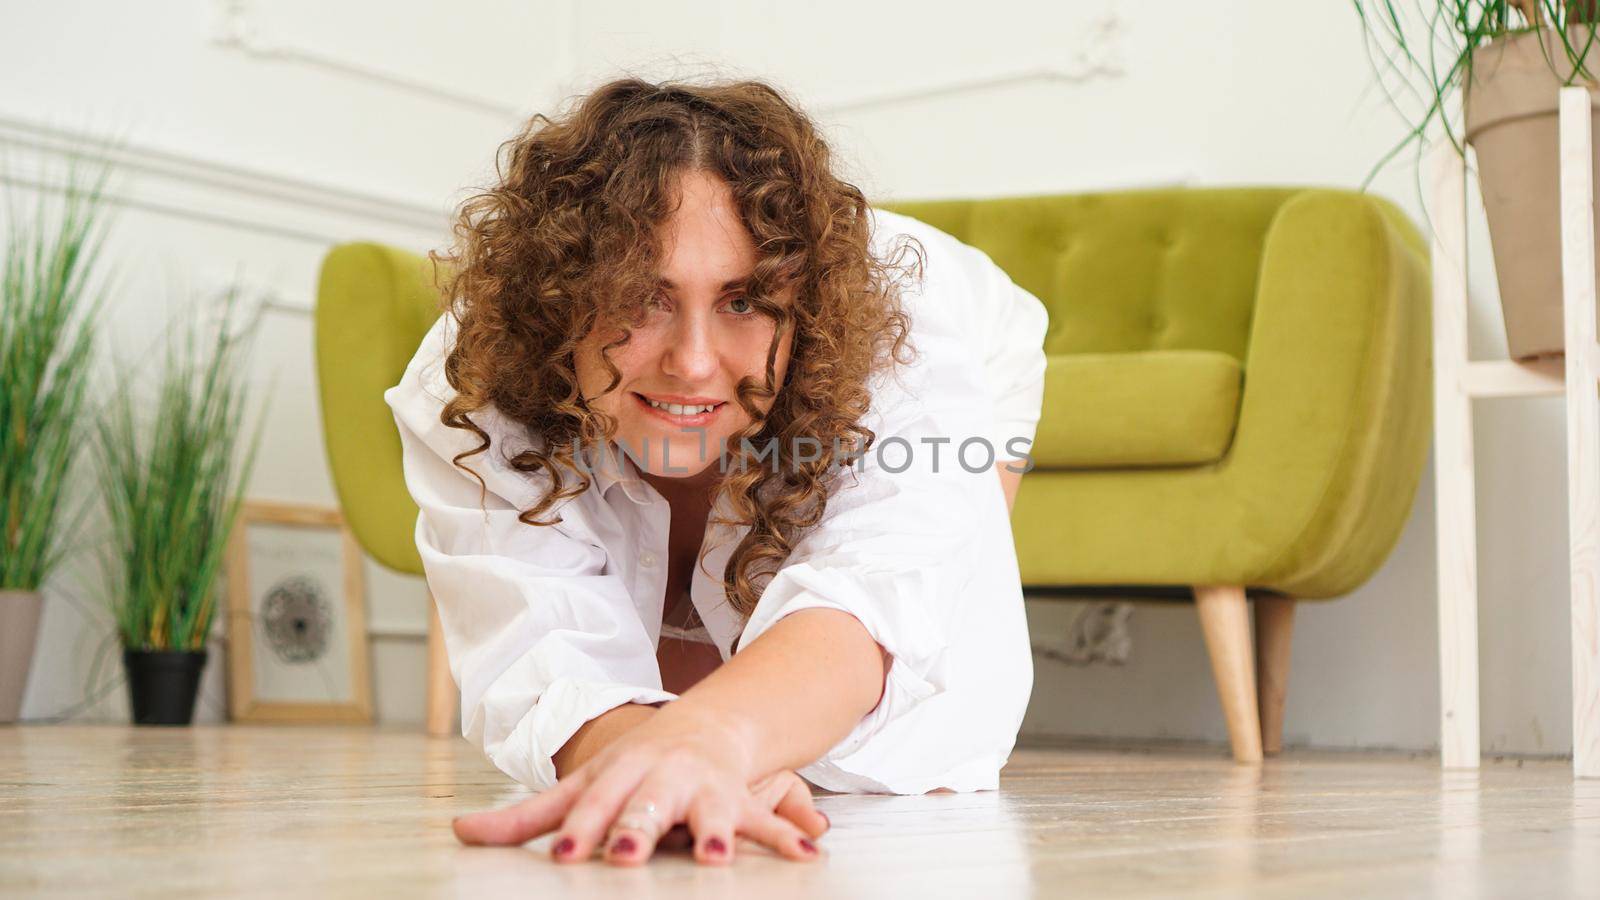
540 638
1008 322
1014 358
892 547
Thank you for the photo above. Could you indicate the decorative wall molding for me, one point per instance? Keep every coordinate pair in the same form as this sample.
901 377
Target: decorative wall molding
1099 55
184 177
237 27
186 185
194 189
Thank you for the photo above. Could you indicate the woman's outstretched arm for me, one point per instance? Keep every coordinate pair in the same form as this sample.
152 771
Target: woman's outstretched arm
794 692
598 733
827 651
778 704
844 679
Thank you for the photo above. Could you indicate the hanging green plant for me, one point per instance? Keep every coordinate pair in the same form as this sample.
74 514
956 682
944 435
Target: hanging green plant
1437 73
1506 61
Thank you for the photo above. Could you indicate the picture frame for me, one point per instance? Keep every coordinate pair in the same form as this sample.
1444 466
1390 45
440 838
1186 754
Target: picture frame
297 629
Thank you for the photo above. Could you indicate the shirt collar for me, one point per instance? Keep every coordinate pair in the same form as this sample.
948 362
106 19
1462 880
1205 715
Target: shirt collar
616 469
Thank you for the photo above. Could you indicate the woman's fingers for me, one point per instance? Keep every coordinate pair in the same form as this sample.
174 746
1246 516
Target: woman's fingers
594 810
630 843
713 821
795 804
633 811
521 822
779 834
649 813
788 795
780 815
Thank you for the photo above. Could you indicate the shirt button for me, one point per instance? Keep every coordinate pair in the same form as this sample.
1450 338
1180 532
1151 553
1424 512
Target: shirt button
647 558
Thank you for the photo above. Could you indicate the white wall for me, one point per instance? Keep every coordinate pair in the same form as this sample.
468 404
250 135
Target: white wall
402 105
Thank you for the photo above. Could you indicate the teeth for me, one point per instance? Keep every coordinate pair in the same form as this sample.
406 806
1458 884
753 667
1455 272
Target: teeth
679 409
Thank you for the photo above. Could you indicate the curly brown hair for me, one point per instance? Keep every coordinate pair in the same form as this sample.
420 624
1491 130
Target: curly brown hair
568 240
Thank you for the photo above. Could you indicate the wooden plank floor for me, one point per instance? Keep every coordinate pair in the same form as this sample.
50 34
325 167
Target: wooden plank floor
224 810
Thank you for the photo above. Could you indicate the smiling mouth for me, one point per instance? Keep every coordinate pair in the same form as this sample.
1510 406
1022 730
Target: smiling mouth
690 414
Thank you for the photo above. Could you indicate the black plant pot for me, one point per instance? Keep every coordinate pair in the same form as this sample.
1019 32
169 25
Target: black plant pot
163 684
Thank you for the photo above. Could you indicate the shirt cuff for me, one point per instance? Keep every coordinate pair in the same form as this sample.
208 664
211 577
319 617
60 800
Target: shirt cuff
1017 412
1013 438
564 707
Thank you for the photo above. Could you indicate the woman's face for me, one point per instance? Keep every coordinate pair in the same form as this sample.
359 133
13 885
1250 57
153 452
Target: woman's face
699 337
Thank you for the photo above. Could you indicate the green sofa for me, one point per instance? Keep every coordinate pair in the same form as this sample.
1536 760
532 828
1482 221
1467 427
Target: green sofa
1237 404
1237 401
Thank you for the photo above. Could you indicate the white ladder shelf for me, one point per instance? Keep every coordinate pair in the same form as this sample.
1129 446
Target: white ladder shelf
1457 382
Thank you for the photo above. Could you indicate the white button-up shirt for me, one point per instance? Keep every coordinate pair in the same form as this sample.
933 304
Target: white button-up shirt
547 627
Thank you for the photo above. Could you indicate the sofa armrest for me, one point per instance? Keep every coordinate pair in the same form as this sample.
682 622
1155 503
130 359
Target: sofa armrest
1336 413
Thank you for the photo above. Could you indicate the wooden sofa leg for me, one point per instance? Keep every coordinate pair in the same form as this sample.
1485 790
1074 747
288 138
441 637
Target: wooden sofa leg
1274 631
1225 619
440 714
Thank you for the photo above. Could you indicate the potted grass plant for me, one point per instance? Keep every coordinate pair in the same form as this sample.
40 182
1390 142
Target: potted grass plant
49 297
1507 59
172 478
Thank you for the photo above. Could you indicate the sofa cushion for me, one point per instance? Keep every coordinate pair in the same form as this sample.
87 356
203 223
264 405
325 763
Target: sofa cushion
1142 408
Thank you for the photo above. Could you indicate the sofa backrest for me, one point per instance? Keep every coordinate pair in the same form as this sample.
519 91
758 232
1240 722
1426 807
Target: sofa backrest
1148 269
374 305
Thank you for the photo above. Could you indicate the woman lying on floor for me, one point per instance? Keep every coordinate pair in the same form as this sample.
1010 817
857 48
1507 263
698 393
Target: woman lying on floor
714 464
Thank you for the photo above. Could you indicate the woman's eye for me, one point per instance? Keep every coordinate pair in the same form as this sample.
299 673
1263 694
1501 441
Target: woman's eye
748 308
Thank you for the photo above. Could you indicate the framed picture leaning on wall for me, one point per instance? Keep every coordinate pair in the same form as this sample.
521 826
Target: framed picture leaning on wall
297 624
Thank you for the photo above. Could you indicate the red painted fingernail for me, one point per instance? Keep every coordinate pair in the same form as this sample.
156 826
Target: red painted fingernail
564 846
623 844
716 847
807 846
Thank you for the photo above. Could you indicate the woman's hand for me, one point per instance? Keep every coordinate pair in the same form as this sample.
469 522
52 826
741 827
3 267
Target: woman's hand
677 768
783 792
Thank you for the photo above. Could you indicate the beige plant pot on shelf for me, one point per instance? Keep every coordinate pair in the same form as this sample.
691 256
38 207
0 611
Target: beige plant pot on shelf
19 630
1512 120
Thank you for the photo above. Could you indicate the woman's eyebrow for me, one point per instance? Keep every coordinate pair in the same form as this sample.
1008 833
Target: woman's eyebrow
726 285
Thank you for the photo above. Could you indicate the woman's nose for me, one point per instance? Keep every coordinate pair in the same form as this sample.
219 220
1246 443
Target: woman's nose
692 353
